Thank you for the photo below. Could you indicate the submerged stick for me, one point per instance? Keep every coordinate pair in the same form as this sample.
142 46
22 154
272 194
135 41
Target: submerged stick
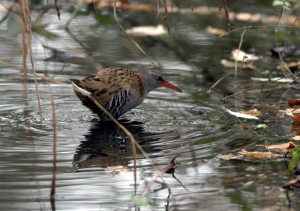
54 145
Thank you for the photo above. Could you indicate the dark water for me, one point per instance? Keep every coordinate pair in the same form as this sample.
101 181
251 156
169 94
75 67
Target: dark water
163 125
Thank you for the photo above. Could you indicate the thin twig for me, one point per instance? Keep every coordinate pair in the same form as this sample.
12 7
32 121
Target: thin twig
224 4
28 30
244 27
218 81
167 16
128 36
236 59
239 48
157 8
79 7
288 34
57 9
276 42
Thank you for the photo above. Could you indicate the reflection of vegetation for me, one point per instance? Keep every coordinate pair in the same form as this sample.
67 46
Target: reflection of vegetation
238 199
200 96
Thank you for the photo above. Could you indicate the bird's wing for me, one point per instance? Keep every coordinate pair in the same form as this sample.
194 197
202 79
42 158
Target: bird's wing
110 85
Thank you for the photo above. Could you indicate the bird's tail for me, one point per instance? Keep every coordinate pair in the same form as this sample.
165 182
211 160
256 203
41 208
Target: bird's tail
80 92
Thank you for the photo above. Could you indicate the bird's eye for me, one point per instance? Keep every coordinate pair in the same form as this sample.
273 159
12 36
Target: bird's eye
159 78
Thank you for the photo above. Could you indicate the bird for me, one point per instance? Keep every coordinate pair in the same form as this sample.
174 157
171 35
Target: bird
118 89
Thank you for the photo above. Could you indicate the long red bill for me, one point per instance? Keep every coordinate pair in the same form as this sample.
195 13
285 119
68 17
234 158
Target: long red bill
171 86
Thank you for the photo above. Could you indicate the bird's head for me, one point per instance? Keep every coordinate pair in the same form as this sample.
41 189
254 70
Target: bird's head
153 79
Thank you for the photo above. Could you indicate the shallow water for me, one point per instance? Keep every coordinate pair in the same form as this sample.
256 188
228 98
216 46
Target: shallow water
164 125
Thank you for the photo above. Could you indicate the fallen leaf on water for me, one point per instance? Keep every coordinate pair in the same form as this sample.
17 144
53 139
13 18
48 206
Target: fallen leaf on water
237 114
275 79
247 17
290 111
138 7
245 126
293 113
287 146
253 112
258 155
244 154
296 138
295 129
266 109
116 169
296 118
292 66
227 63
241 56
288 20
261 155
147 30
216 31
229 157
294 102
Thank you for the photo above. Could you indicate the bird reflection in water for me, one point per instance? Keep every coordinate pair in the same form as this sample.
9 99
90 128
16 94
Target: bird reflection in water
107 145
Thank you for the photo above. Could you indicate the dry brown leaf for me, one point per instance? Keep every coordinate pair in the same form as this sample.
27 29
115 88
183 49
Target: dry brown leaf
116 169
289 20
266 109
241 56
147 30
243 152
291 111
296 118
295 129
253 112
138 7
261 155
258 155
229 157
245 126
287 146
296 138
216 31
293 65
227 63
294 102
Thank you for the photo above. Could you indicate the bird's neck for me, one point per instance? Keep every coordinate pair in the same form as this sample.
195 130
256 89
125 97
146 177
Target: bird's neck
144 89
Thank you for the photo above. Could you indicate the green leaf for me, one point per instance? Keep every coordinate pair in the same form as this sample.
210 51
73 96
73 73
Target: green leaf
263 126
140 201
42 31
287 4
282 3
266 72
278 3
295 158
